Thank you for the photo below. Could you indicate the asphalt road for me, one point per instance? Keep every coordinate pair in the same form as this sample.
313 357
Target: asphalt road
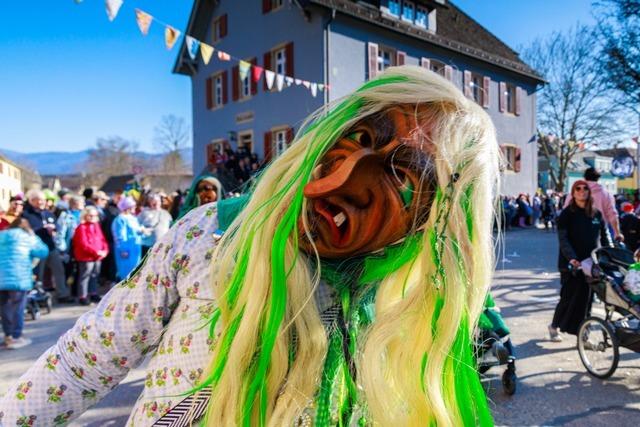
553 386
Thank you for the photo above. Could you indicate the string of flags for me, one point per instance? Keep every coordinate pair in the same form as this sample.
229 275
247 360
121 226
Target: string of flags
206 51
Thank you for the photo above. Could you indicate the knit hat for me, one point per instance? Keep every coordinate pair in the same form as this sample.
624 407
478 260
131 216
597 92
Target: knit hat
127 202
626 207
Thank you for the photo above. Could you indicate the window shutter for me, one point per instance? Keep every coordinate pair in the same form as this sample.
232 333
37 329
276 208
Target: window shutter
209 90
235 83
266 6
254 85
289 136
502 98
486 82
448 72
267 66
425 63
288 52
373 60
224 88
267 146
223 25
518 96
516 162
467 84
401 57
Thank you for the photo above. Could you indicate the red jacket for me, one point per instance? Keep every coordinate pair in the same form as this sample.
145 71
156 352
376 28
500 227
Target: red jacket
88 240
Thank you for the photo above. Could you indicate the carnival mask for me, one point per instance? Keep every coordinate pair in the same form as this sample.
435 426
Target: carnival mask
373 186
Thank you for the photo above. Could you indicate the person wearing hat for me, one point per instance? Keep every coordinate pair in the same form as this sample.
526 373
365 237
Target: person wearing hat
16 205
205 189
630 226
127 238
602 201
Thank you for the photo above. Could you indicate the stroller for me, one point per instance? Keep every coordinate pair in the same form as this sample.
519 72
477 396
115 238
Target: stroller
493 346
38 298
599 339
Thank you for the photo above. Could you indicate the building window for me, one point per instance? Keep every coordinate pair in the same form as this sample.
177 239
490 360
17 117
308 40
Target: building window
511 155
280 141
394 7
477 90
219 28
1 167
276 4
245 140
422 19
386 58
218 91
510 98
280 61
437 67
408 11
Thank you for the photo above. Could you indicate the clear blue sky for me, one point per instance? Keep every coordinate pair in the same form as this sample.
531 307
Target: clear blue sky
69 76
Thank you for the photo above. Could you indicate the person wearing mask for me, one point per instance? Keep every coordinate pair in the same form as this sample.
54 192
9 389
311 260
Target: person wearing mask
19 248
16 206
127 238
43 223
155 220
630 226
602 201
89 249
204 189
581 229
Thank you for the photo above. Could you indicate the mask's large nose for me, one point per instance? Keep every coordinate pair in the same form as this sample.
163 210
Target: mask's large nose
353 177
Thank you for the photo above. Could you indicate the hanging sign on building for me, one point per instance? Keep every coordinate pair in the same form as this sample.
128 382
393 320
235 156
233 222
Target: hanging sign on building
622 166
244 117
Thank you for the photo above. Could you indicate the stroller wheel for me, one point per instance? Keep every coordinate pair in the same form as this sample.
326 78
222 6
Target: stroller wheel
598 347
509 381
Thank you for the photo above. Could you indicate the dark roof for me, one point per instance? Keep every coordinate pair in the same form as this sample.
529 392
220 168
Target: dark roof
615 152
117 183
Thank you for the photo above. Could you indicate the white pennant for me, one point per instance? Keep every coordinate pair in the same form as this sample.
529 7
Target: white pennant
321 87
113 6
280 82
298 82
314 89
306 84
269 76
288 80
192 46
243 67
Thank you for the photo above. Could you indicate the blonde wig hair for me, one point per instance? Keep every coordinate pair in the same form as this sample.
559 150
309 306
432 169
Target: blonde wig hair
406 375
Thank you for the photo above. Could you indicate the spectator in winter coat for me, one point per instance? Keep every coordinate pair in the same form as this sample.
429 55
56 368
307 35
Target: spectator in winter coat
156 220
43 223
16 206
89 249
127 240
19 247
66 225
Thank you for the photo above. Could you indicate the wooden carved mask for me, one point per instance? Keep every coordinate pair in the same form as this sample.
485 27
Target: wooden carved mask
374 185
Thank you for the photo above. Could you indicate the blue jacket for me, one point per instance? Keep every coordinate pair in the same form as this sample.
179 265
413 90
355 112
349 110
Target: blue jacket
17 252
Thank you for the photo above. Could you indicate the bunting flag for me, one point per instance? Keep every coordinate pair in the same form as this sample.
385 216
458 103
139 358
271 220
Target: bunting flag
320 87
288 80
279 82
243 67
170 36
256 73
269 76
314 89
206 51
113 6
223 56
306 84
298 82
193 46
144 21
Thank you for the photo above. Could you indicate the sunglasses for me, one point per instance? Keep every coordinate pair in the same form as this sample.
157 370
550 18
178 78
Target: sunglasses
205 188
582 188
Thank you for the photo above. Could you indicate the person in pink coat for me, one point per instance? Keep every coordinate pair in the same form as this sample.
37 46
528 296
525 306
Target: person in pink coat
89 249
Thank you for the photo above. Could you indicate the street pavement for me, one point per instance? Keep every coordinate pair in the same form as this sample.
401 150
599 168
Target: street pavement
553 387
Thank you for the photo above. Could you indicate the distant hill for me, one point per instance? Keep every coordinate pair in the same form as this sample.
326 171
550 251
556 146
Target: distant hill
70 162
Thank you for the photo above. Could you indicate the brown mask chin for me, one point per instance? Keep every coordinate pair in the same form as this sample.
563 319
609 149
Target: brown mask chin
372 187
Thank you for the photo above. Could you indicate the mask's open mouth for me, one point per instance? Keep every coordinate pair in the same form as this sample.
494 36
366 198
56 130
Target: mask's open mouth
336 218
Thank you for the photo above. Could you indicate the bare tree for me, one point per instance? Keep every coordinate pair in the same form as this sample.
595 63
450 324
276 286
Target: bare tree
111 156
576 108
170 137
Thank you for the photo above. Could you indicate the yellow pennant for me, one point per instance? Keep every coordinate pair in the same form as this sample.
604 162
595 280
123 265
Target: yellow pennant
206 51
144 21
170 36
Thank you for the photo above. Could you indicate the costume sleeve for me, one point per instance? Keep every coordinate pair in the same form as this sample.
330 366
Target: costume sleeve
563 236
97 353
39 249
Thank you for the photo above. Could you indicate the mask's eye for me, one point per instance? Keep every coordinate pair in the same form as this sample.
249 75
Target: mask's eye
362 137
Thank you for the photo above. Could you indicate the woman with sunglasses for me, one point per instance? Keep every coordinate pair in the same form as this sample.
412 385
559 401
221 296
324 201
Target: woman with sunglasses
16 205
581 229
205 189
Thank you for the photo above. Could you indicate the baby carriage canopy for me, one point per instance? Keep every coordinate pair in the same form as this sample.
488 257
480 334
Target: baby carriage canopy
612 264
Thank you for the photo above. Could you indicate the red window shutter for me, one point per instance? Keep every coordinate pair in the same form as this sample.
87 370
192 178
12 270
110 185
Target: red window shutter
468 92
486 82
223 25
502 104
209 93
425 63
235 83
267 66
448 72
267 146
254 85
517 162
518 96
373 60
288 52
289 136
401 57
266 6
225 98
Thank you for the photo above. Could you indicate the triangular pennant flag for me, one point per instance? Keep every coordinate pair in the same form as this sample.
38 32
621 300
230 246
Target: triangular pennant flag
170 36
113 6
269 76
288 80
306 84
256 72
243 67
206 51
192 46
144 21
223 56
279 82
326 87
298 82
314 89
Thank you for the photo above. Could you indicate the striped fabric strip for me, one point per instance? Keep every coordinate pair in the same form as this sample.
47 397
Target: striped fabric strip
187 412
